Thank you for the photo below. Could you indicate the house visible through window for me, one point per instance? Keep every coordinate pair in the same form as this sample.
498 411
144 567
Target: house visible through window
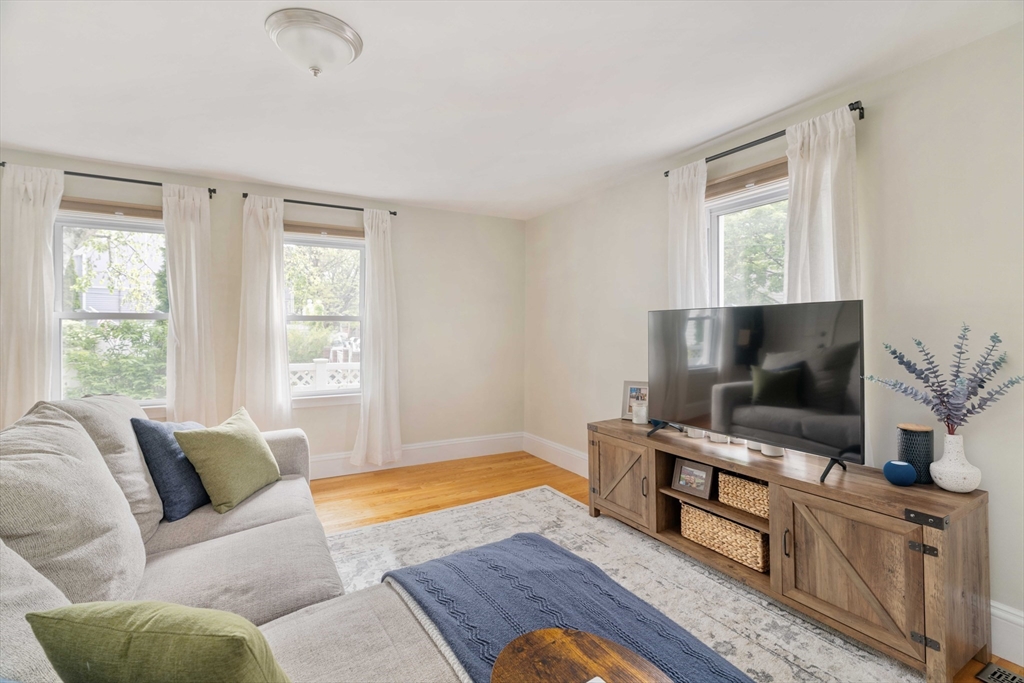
748 246
111 307
324 281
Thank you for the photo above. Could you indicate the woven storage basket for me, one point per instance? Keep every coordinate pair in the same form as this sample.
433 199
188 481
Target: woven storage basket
743 494
735 541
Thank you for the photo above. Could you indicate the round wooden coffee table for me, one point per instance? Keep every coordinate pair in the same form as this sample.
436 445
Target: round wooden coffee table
562 655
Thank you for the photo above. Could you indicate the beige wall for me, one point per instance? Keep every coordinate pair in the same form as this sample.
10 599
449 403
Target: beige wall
940 159
459 279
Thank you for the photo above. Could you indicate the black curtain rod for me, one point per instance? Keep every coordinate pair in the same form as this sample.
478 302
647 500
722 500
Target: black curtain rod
854 106
211 190
329 206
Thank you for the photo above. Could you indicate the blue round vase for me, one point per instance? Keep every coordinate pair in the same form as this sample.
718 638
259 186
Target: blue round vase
899 473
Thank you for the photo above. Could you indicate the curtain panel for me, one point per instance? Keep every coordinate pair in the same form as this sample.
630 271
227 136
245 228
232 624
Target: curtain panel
379 438
689 267
823 240
29 200
262 384
191 374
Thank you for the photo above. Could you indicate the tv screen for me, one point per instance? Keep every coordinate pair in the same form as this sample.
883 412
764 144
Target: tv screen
788 375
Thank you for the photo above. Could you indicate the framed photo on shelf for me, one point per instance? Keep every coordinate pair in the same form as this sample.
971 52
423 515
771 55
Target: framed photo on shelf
693 477
632 393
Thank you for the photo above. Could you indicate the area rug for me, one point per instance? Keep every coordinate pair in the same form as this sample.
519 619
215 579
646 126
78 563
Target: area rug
761 637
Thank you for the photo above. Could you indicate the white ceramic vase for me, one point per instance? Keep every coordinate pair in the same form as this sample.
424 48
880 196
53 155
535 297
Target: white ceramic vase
952 471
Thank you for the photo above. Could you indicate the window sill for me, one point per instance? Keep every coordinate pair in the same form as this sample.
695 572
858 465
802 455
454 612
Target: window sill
156 412
324 401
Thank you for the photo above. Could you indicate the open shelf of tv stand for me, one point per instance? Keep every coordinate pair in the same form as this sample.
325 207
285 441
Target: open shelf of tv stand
921 587
720 509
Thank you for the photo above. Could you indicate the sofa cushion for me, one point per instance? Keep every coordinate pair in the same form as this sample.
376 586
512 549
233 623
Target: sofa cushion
62 510
840 431
107 419
389 644
180 488
260 573
23 590
771 418
123 642
233 459
289 497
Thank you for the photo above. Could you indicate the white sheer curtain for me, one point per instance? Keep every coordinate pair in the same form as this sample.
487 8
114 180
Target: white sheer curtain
689 268
261 375
191 374
29 200
379 439
823 243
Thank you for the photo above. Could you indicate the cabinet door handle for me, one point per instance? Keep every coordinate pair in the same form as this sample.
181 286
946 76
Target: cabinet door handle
643 487
785 543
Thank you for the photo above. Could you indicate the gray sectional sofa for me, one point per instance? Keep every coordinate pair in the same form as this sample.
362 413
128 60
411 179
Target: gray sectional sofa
80 521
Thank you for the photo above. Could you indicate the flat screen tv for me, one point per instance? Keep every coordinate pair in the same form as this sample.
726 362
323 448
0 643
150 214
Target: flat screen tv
787 375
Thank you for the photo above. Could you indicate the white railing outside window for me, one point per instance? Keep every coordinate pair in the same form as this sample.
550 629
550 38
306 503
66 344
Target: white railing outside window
324 278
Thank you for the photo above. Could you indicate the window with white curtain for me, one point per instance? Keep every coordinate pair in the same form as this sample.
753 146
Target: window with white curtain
324 279
748 245
111 307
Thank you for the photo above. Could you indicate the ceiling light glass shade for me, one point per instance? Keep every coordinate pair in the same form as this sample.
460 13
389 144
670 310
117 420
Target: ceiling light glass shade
315 41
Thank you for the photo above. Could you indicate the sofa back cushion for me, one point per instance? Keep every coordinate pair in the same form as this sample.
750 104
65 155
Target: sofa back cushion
63 512
107 419
23 590
177 481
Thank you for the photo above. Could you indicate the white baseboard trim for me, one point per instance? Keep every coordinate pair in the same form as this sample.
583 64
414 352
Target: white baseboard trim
1007 632
556 454
337 464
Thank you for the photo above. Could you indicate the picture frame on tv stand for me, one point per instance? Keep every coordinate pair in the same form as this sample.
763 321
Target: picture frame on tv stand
694 478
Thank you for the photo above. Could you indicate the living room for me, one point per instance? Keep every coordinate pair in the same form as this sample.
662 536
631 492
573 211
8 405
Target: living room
426 268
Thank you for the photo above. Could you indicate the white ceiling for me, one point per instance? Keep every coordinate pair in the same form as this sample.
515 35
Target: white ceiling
499 108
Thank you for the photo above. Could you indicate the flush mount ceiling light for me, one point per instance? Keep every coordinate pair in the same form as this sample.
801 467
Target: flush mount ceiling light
315 41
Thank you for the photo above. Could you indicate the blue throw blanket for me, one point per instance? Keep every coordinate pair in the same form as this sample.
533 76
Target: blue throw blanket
482 599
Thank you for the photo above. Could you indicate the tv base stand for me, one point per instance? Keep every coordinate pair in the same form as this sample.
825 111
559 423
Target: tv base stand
659 424
901 569
832 462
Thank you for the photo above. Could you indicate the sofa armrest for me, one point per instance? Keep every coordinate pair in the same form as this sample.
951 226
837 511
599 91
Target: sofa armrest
724 399
291 449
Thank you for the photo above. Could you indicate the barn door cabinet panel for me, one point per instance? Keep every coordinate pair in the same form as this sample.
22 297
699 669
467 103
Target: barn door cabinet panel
620 479
852 564
903 570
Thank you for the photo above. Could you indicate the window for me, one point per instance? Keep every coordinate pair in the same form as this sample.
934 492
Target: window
324 283
111 307
700 342
748 246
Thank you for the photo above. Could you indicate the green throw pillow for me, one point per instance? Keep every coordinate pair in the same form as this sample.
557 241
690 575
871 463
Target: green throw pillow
111 642
776 387
233 460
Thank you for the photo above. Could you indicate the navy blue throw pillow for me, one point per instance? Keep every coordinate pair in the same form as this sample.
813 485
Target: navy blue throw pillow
177 481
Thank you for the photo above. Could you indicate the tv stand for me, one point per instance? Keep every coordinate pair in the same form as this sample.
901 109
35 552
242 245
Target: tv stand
903 570
832 462
661 424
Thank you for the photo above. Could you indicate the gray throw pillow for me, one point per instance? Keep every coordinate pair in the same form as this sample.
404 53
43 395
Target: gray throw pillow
23 590
108 420
63 512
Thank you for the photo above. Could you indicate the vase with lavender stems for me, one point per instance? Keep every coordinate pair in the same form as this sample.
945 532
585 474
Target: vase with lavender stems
954 400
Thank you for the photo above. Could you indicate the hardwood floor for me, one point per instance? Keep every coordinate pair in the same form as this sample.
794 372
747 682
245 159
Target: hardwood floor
361 499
